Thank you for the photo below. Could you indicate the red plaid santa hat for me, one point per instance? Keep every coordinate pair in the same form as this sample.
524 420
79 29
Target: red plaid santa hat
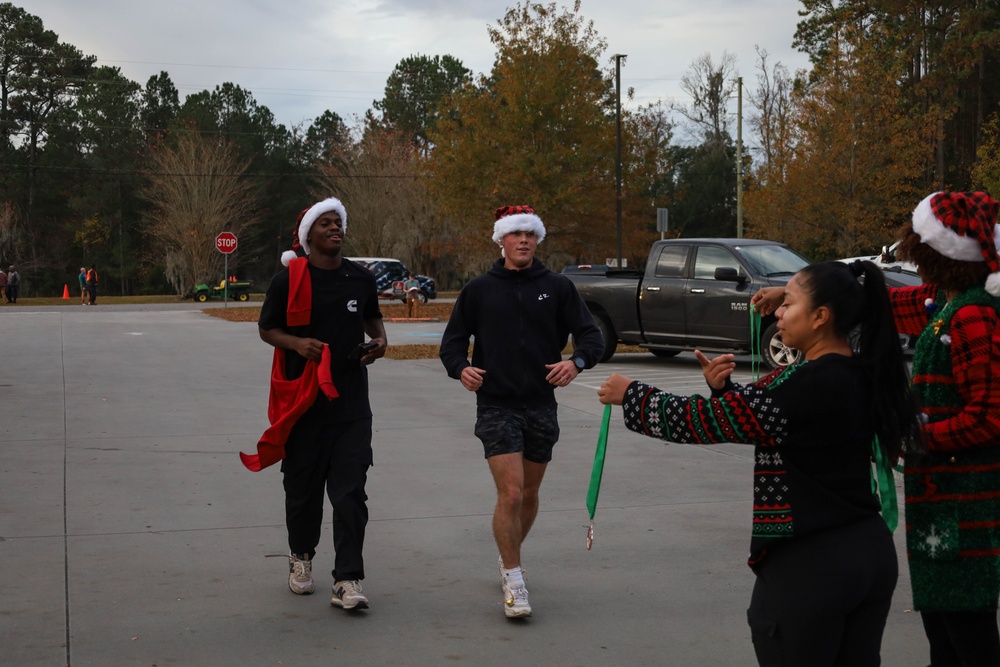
300 243
516 219
962 226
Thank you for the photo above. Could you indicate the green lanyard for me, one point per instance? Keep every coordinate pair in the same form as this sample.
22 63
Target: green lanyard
882 479
597 472
755 352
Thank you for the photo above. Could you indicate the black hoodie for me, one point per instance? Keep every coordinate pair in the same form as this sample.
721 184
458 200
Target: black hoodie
521 320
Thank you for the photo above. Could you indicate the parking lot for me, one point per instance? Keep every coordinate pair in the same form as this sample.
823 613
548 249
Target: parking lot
130 534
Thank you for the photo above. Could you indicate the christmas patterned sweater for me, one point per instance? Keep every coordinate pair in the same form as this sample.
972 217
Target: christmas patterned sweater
813 441
953 487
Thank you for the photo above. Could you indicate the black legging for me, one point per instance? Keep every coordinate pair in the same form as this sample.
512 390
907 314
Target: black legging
962 638
822 601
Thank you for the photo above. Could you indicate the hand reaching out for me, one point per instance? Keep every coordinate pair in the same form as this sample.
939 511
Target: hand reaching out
717 370
612 390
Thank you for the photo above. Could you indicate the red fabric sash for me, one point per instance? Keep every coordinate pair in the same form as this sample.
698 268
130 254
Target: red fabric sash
290 399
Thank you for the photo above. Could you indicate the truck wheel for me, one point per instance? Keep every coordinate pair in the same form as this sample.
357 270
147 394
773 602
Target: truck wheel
422 297
243 296
608 333
201 297
776 354
664 354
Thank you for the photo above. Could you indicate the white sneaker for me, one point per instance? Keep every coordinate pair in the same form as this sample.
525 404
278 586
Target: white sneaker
515 602
300 578
347 594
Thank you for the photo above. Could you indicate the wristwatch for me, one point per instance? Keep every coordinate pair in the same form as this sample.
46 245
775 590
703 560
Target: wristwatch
580 364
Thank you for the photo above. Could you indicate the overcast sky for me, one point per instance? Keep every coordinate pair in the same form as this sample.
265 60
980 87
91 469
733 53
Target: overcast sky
302 57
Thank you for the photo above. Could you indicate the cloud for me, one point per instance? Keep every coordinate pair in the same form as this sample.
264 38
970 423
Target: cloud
302 57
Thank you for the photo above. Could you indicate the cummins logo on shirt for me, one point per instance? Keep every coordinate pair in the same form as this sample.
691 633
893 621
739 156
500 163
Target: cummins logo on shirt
352 306
543 296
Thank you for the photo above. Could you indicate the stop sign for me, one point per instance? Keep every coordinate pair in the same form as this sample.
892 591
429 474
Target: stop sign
225 242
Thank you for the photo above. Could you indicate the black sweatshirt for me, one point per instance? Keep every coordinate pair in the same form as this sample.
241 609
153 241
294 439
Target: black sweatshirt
521 320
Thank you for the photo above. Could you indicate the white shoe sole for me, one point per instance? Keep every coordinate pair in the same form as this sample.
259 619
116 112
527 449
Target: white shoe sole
511 612
301 590
360 604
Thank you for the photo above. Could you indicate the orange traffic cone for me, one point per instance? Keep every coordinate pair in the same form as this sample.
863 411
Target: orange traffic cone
65 291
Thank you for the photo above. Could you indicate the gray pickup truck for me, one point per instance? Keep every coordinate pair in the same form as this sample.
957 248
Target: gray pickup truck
694 293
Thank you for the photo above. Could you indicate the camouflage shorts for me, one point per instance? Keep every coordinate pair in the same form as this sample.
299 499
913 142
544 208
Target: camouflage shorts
532 431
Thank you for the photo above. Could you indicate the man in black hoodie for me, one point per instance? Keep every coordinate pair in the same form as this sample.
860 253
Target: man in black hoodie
521 315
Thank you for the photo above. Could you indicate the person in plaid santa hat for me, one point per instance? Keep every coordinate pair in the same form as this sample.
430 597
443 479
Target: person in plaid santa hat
952 478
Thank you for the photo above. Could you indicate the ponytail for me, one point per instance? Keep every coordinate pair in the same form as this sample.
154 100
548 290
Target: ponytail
893 406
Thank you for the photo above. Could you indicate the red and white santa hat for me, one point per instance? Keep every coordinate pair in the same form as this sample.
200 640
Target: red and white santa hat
516 219
300 244
962 226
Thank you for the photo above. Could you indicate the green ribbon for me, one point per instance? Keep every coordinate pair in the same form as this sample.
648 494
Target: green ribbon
756 355
882 479
598 471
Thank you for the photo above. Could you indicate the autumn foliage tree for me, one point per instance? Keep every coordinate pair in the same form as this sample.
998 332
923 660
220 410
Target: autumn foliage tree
851 173
538 130
377 179
196 190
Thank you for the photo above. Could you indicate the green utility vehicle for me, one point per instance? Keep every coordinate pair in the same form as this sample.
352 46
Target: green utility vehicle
239 290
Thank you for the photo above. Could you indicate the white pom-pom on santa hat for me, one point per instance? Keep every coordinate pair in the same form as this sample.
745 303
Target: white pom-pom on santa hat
993 284
517 219
306 220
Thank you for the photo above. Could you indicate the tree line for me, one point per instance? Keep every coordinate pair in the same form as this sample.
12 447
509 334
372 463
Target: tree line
901 99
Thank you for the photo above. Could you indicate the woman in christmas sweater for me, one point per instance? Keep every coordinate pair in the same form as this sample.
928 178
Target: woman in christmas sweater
952 479
824 559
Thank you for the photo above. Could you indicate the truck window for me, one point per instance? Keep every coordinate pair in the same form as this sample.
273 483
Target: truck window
671 262
710 258
772 260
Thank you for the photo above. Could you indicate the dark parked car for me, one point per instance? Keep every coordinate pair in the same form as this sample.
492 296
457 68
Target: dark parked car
389 271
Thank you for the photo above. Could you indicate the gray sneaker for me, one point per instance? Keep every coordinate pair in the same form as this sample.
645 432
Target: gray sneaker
300 578
347 594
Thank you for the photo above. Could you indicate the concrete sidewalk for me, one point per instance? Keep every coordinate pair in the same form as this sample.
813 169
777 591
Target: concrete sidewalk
130 534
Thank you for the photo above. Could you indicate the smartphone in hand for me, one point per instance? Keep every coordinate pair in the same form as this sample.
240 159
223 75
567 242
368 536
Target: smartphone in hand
361 350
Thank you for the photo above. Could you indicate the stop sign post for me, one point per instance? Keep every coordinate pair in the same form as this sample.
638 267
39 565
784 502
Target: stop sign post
225 243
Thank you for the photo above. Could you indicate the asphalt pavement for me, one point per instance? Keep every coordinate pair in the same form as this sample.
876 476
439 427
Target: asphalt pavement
130 533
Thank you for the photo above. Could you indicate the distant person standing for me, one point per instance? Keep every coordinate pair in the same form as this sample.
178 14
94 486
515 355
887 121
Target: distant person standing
13 284
92 284
412 289
83 285
3 284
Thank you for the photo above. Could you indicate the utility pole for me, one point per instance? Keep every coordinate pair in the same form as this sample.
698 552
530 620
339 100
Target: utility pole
618 151
739 157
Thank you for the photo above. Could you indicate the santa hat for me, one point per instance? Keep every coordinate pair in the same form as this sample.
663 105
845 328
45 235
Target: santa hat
962 226
516 219
300 244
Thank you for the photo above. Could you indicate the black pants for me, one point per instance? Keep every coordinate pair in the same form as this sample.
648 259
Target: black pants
333 458
92 291
822 601
962 638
